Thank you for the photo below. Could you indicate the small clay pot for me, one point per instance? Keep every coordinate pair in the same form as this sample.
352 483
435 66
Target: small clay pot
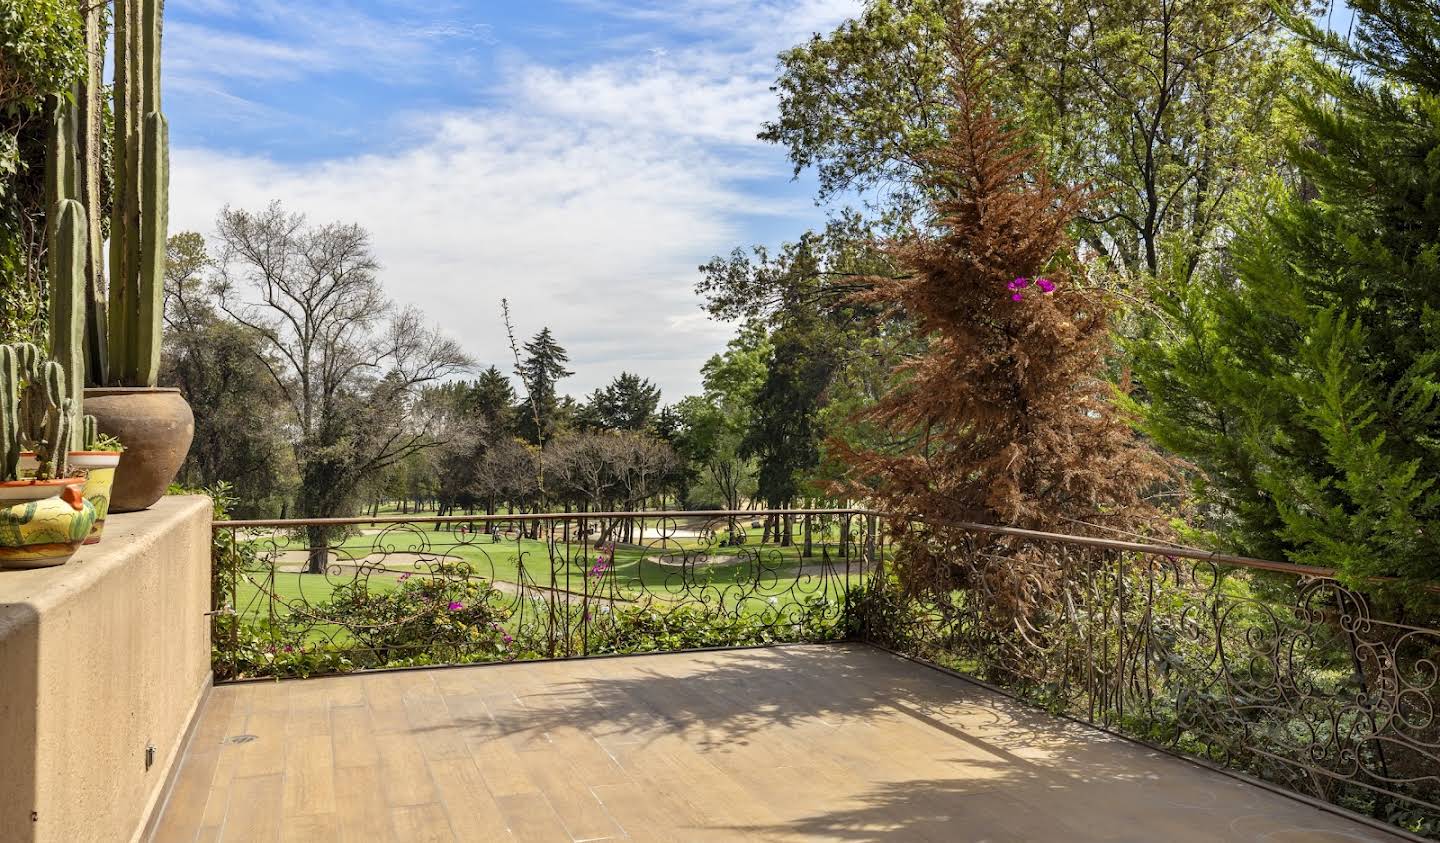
98 469
155 425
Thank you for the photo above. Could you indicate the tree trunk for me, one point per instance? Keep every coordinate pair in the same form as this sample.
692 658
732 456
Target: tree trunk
317 542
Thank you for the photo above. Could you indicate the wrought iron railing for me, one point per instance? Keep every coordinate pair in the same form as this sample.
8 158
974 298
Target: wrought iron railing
300 598
1275 670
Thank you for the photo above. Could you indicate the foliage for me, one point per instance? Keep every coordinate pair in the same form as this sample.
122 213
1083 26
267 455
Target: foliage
42 52
1006 417
711 428
641 629
1165 106
1302 378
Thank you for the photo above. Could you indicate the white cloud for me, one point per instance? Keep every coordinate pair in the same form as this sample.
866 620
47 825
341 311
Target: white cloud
593 231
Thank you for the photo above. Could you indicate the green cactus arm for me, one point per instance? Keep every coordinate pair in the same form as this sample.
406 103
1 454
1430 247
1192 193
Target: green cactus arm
10 446
68 252
154 222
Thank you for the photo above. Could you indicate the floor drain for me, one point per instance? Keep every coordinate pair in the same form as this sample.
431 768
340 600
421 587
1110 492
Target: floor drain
241 739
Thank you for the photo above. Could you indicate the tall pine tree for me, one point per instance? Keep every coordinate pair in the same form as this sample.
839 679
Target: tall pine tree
543 367
1006 417
1302 379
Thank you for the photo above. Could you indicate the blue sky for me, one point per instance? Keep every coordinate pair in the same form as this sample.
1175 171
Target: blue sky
579 157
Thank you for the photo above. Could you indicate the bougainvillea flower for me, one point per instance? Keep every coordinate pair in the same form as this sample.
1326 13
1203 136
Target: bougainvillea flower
1045 284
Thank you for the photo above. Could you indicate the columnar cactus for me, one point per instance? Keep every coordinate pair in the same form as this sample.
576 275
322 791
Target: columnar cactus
51 427
68 251
138 222
36 413
10 446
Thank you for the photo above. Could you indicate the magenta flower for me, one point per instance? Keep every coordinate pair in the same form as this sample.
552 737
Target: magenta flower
1018 297
1045 284
507 639
1018 284
456 606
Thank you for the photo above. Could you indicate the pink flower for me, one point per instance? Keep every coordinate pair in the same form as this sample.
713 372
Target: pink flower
405 576
456 606
1018 284
507 639
1045 284
1018 297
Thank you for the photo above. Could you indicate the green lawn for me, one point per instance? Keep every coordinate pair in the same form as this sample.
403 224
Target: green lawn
633 573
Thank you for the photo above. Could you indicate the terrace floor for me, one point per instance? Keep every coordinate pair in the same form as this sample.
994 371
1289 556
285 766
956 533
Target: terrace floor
842 743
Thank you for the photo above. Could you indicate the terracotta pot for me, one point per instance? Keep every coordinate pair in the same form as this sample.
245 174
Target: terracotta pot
155 426
44 532
98 469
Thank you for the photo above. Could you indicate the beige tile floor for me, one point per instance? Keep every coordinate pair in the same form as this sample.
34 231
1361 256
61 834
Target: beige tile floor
843 743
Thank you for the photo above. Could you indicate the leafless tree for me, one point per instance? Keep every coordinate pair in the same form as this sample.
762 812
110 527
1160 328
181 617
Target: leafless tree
349 365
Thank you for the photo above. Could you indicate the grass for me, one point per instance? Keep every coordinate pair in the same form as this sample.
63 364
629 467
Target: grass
632 573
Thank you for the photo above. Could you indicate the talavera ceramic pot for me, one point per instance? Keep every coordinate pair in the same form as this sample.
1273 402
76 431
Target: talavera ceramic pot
98 469
43 522
155 425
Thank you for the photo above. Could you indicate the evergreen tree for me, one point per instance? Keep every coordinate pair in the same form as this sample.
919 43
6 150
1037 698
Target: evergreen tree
784 432
493 398
543 367
1303 378
1006 417
627 403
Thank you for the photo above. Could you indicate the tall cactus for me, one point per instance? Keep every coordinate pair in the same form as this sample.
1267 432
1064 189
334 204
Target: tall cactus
68 250
138 221
89 433
90 142
10 446
53 420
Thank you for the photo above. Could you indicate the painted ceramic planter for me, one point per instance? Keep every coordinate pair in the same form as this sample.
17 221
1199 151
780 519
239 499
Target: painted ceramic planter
43 522
98 469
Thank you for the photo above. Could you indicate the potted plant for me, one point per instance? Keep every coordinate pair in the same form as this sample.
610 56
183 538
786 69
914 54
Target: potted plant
116 340
97 463
44 518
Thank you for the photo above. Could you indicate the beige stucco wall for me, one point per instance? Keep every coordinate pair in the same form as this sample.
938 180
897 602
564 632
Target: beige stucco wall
99 658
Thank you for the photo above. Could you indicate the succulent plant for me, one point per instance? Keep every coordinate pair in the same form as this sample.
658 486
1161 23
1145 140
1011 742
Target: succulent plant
36 412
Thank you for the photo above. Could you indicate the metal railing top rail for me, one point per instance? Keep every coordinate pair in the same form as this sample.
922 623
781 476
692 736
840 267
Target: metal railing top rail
1174 551
1171 551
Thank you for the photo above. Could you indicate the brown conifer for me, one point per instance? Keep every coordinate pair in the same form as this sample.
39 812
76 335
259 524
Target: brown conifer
1007 417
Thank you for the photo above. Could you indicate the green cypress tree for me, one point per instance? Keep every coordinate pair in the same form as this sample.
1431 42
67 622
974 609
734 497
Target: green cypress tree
1302 377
